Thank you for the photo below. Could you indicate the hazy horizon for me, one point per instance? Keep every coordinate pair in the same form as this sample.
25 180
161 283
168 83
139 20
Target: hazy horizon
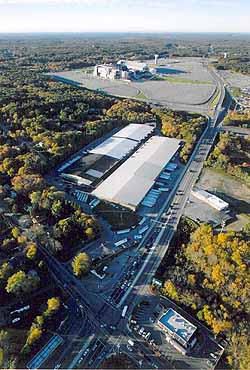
115 16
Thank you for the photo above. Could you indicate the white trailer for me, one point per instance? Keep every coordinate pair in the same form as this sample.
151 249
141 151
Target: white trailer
143 230
142 220
120 242
125 308
123 231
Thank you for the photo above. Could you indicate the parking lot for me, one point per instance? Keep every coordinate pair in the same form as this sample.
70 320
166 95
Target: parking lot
190 83
143 323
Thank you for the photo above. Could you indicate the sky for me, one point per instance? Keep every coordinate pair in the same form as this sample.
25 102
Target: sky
124 16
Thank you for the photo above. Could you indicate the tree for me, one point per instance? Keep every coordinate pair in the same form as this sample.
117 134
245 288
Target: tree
15 232
170 290
31 251
25 184
34 334
5 271
53 305
90 233
81 264
20 282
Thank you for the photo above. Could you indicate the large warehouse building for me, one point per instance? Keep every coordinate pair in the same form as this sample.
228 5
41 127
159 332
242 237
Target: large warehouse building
129 184
89 168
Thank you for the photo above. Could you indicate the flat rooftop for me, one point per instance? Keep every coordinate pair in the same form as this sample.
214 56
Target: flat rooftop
135 131
211 199
115 147
129 184
177 325
91 166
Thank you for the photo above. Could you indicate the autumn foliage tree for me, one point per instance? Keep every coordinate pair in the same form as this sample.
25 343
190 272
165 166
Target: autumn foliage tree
81 264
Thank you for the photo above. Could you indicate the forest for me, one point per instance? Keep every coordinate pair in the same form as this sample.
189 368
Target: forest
209 277
231 155
184 126
240 119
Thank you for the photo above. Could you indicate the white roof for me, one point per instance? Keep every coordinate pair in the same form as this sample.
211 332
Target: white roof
135 131
211 199
129 184
115 147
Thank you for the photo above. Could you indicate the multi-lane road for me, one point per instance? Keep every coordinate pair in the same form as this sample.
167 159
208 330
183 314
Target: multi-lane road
101 326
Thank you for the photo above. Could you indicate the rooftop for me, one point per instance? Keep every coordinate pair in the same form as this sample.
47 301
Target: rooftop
129 184
177 325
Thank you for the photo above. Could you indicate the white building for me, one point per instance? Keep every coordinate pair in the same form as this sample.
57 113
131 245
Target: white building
179 331
107 71
134 65
210 199
130 182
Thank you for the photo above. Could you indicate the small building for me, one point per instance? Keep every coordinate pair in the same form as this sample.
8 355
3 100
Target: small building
210 199
179 331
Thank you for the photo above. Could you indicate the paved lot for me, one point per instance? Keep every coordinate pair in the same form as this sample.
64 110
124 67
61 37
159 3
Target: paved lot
176 91
164 92
236 79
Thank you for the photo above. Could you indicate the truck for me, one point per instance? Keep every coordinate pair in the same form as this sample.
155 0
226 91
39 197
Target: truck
125 308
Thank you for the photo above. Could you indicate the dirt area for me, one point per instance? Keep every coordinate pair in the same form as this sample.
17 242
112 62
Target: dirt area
234 192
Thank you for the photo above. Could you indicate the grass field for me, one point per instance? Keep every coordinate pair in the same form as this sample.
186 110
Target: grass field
182 80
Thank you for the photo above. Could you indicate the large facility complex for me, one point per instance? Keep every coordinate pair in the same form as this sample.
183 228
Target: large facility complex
130 183
123 69
88 169
124 168
179 331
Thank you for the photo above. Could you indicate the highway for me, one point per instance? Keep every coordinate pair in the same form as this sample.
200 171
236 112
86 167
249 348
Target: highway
109 329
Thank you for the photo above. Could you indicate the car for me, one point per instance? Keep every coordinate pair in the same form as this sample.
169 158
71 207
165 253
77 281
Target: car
86 352
80 360
129 348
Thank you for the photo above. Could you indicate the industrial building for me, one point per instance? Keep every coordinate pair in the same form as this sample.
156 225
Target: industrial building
179 331
89 168
107 71
210 199
130 182
123 69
